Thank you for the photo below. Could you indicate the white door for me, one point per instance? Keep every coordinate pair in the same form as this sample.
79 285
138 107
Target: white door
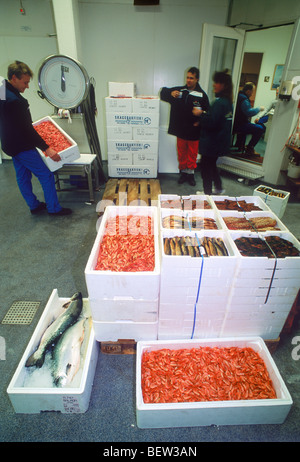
221 48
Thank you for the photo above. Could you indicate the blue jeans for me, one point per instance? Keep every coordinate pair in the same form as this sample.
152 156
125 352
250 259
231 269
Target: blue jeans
255 130
26 163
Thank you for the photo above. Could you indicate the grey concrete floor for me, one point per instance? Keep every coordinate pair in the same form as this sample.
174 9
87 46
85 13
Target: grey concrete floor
40 253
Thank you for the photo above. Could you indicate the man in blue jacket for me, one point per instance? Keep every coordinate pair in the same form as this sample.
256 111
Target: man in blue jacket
242 124
19 140
183 124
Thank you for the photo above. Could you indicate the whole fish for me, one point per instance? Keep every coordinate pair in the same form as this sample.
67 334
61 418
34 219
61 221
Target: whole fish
56 329
66 354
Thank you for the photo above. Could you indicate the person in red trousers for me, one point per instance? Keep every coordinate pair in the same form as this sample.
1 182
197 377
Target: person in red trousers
183 124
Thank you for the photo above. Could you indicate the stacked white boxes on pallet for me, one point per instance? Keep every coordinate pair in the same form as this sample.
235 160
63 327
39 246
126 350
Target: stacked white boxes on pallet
132 135
124 305
182 301
224 296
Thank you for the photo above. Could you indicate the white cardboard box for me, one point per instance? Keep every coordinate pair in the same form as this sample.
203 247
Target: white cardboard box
147 104
68 400
133 146
242 412
132 171
121 89
113 104
122 132
145 158
122 158
67 155
145 133
133 119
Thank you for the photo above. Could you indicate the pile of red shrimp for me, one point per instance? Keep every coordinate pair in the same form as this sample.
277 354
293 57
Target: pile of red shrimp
127 245
52 136
204 374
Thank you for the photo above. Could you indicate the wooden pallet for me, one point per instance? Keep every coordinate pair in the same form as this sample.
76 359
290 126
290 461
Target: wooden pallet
132 191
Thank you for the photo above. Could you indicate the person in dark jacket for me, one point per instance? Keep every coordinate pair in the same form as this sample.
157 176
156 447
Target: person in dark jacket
215 134
19 140
242 124
183 124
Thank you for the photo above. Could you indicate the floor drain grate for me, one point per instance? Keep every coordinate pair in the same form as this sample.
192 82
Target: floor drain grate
21 312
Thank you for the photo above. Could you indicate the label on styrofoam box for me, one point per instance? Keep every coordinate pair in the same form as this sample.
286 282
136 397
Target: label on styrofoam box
67 155
119 146
265 411
145 104
135 120
122 132
121 89
145 158
118 104
132 171
119 158
145 133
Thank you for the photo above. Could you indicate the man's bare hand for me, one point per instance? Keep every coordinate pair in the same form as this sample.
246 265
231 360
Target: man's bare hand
53 154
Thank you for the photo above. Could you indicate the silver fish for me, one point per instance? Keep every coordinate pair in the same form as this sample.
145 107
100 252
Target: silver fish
56 329
66 354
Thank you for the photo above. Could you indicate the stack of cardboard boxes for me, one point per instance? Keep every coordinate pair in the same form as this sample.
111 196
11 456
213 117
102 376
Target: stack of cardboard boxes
132 124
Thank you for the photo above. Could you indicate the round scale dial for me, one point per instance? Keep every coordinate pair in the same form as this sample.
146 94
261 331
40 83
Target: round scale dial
63 81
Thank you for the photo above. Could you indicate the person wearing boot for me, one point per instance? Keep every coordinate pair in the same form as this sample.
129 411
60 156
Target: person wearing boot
242 125
184 124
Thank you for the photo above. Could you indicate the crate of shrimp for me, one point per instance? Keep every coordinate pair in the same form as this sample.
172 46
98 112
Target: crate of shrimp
186 383
57 369
124 261
57 139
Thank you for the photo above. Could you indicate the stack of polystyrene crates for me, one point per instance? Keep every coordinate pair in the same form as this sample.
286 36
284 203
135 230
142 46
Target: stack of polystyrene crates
194 291
132 134
235 295
264 289
124 305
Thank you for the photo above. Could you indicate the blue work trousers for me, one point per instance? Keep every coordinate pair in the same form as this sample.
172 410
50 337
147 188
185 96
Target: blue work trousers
26 163
255 130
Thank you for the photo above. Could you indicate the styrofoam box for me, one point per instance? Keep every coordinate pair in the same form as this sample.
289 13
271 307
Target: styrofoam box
133 146
132 171
118 104
124 309
147 104
67 155
172 262
242 412
276 204
109 284
145 133
197 215
116 119
121 89
249 199
68 400
122 132
122 158
113 331
186 201
145 158
248 216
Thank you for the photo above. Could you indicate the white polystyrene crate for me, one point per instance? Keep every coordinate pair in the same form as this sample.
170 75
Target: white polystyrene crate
148 104
113 331
249 215
172 262
189 215
249 199
117 119
242 412
71 399
132 171
131 146
263 263
122 132
114 104
145 133
201 201
249 329
121 89
124 309
109 284
275 203
67 155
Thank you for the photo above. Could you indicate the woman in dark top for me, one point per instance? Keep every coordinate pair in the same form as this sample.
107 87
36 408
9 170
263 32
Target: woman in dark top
215 134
